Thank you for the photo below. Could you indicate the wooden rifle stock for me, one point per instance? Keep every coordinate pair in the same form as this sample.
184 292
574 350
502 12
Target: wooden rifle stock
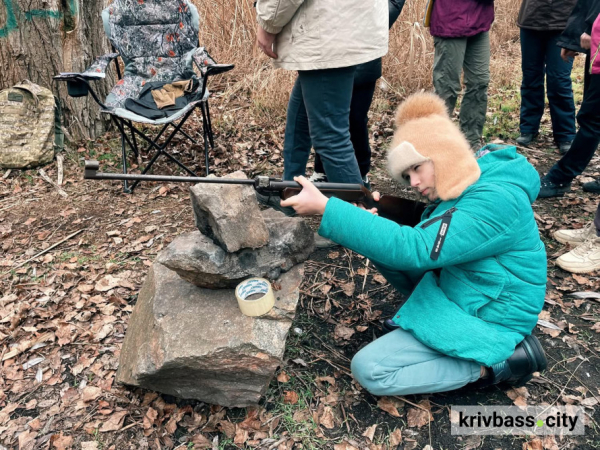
400 210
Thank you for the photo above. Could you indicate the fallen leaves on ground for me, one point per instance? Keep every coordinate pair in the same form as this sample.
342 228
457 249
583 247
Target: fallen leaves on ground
290 397
390 405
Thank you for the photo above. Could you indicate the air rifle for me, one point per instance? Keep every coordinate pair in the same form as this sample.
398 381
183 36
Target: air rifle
400 210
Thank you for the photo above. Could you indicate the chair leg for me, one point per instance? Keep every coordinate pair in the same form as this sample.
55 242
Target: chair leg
148 167
152 144
187 135
206 135
135 146
206 152
210 130
119 124
160 149
180 164
126 188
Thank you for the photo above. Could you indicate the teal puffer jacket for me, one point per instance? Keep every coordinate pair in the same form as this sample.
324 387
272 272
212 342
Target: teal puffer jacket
491 279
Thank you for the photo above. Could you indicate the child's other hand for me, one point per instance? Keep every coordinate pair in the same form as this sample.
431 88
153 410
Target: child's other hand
310 201
376 197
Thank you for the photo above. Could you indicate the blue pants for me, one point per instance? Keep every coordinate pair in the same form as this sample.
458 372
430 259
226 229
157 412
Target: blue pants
398 364
320 102
541 58
362 96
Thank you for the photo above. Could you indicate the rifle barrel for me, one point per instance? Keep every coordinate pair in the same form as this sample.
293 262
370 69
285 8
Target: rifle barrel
91 173
164 178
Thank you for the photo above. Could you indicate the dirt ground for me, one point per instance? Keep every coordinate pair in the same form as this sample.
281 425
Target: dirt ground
64 314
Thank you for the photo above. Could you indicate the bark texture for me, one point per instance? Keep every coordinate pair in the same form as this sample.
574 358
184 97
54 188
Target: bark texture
40 38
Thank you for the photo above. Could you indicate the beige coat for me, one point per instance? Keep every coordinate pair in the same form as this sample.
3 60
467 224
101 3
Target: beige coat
325 34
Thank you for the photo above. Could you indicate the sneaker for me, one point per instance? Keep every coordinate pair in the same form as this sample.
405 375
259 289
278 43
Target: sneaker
549 189
274 202
529 357
318 177
366 182
564 147
592 186
582 259
526 139
321 242
575 237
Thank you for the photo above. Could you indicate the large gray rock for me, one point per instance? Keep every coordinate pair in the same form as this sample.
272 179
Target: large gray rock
197 259
229 214
195 343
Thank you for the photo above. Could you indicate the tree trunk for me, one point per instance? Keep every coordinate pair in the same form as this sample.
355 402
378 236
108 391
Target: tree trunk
40 38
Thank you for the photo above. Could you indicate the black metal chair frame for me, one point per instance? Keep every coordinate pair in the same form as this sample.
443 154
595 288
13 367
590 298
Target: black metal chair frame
79 86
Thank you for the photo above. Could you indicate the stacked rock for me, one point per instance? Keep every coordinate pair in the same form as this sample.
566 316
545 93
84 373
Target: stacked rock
186 336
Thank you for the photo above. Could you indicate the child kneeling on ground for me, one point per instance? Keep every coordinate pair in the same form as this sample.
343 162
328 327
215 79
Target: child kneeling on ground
474 268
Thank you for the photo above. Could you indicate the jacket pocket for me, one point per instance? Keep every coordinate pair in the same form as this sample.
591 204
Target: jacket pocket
472 290
306 22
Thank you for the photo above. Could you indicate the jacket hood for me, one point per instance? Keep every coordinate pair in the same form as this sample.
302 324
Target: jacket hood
503 165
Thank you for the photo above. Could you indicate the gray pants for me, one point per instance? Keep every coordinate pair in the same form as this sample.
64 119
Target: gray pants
399 364
472 55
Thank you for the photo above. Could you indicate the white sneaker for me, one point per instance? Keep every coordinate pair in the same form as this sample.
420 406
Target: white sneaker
318 177
575 237
583 259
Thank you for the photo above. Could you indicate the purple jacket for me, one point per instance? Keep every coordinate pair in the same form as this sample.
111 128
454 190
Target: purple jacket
461 18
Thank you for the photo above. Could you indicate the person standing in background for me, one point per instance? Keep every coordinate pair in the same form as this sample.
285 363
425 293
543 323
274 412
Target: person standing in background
577 38
324 42
365 81
585 257
541 23
460 30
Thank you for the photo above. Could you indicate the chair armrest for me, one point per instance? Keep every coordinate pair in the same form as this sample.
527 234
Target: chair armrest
95 71
98 67
202 59
215 69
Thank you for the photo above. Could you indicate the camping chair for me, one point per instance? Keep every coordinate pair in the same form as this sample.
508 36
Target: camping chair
158 42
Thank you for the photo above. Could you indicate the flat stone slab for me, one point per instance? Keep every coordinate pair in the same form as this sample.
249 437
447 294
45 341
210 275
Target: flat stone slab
195 343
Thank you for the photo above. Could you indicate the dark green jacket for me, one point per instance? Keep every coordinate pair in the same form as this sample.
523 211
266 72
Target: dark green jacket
481 293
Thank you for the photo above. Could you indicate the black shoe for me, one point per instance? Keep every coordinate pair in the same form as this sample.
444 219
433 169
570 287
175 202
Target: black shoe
526 139
549 189
517 370
275 202
592 186
564 147
389 325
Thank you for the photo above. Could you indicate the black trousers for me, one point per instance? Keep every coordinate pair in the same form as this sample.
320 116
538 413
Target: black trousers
362 96
586 141
541 61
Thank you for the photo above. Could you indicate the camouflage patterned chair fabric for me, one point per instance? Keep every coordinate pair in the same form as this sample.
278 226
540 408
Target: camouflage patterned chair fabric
158 41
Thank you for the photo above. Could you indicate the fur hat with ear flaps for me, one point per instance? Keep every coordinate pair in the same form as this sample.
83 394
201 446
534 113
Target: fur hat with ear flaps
425 132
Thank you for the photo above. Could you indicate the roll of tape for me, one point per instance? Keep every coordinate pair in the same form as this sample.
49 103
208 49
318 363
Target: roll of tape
259 306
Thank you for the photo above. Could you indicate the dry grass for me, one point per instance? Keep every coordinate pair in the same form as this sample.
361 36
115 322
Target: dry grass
228 31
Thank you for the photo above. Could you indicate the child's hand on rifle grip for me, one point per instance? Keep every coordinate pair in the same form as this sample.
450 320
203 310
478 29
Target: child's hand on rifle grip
309 201
376 197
